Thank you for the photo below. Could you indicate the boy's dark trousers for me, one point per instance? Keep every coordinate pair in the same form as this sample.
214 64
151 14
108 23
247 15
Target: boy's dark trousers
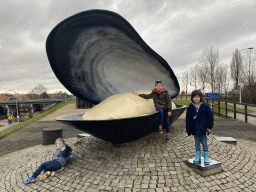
47 166
163 114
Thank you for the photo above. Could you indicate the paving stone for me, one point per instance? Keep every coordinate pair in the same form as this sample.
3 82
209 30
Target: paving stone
151 165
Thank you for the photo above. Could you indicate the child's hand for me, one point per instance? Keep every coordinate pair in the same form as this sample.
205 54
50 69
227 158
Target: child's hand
135 93
51 158
209 130
63 147
169 114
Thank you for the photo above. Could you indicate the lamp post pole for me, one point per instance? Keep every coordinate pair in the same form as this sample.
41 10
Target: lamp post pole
240 83
16 105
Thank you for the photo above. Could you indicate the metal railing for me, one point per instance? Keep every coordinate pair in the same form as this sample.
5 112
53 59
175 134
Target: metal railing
183 97
246 114
24 101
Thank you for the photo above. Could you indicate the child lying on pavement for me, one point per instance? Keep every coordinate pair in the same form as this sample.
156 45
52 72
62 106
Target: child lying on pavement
63 152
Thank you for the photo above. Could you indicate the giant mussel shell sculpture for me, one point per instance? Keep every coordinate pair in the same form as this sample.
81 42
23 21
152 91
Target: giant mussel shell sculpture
96 54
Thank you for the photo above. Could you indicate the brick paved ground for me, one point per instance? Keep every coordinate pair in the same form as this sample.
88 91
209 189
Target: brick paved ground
148 164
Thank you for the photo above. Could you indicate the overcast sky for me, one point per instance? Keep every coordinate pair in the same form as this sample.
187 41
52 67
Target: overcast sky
178 30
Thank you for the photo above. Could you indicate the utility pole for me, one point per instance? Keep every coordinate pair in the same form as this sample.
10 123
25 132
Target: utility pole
16 105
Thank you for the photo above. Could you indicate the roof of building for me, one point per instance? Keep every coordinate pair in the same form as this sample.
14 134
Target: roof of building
4 97
54 95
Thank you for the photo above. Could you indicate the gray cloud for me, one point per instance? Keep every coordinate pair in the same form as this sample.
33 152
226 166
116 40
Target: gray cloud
176 30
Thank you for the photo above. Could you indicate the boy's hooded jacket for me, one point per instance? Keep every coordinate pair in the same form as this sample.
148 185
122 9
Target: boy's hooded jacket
62 156
198 122
162 100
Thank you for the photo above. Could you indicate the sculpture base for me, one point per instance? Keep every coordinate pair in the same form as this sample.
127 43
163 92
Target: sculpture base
205 170
83 135
50 135
229 140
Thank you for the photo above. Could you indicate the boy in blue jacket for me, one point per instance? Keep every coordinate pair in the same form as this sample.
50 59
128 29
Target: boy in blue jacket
63 152
199 121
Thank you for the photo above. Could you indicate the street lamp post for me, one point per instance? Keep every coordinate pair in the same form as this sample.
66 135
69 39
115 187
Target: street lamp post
240 83
16 105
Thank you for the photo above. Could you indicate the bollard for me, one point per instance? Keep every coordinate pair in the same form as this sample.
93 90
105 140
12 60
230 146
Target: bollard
50 135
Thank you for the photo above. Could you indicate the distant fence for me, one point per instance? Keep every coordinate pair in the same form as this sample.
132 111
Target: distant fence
223 100
223 97
234 108
34 101
183 97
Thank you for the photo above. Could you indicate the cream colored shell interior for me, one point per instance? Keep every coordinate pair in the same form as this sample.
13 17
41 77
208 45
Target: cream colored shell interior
122 106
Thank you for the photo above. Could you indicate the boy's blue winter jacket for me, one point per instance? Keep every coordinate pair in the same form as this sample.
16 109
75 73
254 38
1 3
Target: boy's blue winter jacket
198 122
62 156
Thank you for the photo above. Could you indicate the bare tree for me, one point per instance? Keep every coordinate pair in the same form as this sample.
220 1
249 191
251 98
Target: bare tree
44 95
226 78
221 77
202 70
236 68
249 72
210 60
185 80
249 68
194 76
37 90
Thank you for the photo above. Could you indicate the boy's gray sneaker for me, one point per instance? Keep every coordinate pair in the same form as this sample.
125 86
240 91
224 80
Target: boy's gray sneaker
167 137
161 130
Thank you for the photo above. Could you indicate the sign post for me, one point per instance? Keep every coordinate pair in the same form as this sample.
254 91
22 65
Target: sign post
212 96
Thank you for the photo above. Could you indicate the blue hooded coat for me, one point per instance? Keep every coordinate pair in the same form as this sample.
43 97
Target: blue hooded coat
62 156
198 122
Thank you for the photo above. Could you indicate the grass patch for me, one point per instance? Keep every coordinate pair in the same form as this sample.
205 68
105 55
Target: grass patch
181 102
35 119
78 142
125 156
101 157
1 125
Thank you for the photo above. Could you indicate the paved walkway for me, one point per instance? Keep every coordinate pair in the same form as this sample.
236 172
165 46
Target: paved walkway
242 116
148 164
68 109
5 124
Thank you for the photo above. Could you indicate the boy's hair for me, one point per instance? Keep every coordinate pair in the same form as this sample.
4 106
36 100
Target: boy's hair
60 139
199 93
158 81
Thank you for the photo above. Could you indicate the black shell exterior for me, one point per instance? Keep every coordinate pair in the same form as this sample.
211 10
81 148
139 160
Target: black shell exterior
96 54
